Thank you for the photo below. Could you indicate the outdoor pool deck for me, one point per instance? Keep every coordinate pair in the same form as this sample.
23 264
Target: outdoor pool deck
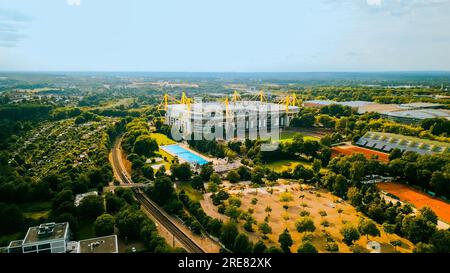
184 154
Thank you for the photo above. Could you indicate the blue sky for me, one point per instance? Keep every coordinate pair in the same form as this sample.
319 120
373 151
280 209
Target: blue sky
225 35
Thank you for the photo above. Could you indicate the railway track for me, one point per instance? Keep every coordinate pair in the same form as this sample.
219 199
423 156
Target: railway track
158 213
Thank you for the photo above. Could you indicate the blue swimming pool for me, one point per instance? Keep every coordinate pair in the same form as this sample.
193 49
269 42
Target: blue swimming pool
184 154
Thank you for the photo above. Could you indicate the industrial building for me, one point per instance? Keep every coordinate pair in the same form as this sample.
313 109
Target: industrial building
105 244
416 116
55 238
387 141
322 103
410 113
238 119
45 238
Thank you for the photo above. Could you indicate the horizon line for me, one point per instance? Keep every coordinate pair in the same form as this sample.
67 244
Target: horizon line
224 72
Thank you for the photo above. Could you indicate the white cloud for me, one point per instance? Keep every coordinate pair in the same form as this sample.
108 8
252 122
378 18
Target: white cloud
374 2
73 2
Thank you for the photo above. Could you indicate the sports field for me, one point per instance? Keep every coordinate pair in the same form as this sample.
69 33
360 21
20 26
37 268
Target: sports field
349 149
418 199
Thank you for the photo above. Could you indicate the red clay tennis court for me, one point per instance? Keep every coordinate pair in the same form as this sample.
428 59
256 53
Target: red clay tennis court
418 199
349 149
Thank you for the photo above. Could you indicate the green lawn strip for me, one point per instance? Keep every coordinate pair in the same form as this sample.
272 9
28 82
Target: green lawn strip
162 140
37 215
282 165
86 230
191 192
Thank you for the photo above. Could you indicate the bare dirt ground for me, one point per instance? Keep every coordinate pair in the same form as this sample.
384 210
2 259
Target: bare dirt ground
280 218
349 149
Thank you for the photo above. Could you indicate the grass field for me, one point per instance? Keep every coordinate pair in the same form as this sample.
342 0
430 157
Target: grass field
162 140
192 193
86 231
282 165
287 136
37 215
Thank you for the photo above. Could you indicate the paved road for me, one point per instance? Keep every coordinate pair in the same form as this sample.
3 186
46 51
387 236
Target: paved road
158 213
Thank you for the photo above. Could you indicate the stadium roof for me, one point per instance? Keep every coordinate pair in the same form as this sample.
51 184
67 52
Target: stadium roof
238 106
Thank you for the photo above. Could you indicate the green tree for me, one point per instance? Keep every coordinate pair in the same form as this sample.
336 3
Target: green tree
128 221
417 228
233 176
242 244
11 218
368 227
423 248
306 247
259 247
181 171
163 190
285 241
265 228
257 175
340 186
147 171
389 228
145 145
305 224
350 234
244 173
395 153
441 241
113 202
429 215
91 207
228 234
206 171
317 165
215 178
104 225
440 182
197 182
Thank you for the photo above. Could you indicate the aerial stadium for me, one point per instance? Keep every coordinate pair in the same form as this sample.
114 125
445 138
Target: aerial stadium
235 118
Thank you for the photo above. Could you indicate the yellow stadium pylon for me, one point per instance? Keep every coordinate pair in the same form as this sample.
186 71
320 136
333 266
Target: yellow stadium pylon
261 96
235 96
288 102
183 98
166 102
227 103
188 104
294 99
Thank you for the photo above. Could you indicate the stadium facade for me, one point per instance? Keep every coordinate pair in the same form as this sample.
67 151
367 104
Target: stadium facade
235 120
